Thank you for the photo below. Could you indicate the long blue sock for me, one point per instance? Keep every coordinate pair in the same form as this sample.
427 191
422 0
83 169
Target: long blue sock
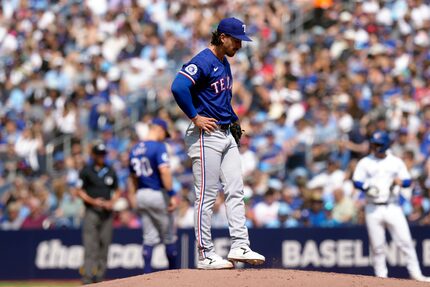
147 256
172 255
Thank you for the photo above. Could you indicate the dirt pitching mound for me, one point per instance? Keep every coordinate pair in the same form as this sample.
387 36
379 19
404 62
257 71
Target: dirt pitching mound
255 278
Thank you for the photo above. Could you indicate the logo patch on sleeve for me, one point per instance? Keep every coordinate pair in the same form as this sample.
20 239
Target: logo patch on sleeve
191 69
165 157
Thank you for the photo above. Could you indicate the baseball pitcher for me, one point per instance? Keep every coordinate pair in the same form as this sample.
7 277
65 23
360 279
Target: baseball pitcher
380 175
203 90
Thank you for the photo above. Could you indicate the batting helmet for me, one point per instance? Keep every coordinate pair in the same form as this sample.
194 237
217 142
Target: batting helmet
381 139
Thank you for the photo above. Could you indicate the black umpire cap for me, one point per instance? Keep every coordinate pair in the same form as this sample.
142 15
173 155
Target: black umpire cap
99 149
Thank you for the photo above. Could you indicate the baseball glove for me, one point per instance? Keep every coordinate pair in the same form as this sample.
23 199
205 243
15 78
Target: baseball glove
372 191
236 132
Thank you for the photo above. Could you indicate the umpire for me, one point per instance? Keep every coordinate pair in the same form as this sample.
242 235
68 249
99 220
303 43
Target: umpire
98 189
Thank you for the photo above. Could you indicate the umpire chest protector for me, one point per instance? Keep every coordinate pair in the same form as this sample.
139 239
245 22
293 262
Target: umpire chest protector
98 182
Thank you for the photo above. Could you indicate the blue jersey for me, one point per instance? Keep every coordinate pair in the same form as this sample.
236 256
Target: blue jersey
145 159
212 90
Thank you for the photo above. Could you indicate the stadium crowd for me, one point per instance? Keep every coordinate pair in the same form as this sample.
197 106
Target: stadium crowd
84 70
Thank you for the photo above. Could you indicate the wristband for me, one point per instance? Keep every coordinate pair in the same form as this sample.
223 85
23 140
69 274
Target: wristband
171 192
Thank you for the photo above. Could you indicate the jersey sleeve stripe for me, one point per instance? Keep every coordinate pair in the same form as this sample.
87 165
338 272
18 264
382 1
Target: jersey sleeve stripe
188 76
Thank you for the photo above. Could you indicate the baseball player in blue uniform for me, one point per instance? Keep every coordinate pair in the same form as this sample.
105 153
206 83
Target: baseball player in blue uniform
380 175
203 90
155 198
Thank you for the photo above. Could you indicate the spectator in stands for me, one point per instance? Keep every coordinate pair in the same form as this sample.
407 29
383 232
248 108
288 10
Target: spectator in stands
417 215
185 213
126 219
266 211
361 62
36 219
404 142
270 155
326 135
317 216
329 180
66 120
344 210
9 162
291 198
70 210
286 217
13 220
248 158
28 146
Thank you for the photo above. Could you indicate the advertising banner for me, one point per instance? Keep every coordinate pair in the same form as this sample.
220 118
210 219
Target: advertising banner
58 254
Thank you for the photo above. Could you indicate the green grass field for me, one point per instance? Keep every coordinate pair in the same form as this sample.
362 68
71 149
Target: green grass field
40 283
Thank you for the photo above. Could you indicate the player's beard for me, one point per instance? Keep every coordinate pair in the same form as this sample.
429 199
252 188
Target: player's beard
231 52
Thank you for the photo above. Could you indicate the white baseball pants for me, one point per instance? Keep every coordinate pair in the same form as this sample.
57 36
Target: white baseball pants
391 216
215 158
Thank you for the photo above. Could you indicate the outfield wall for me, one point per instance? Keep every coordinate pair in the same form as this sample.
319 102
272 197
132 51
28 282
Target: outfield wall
55 254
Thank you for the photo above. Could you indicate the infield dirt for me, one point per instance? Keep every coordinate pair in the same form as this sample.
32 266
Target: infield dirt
255 278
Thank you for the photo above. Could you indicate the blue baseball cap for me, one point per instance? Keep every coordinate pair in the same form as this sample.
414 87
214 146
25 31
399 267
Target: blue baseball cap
162 123
234 28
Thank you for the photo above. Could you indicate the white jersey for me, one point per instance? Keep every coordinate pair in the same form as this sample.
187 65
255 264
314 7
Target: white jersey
380 173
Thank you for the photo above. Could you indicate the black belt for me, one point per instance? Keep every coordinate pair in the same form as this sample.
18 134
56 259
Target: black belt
224 127
381 203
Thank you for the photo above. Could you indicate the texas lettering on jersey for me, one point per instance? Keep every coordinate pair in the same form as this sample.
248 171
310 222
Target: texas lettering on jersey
222 85
213 84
